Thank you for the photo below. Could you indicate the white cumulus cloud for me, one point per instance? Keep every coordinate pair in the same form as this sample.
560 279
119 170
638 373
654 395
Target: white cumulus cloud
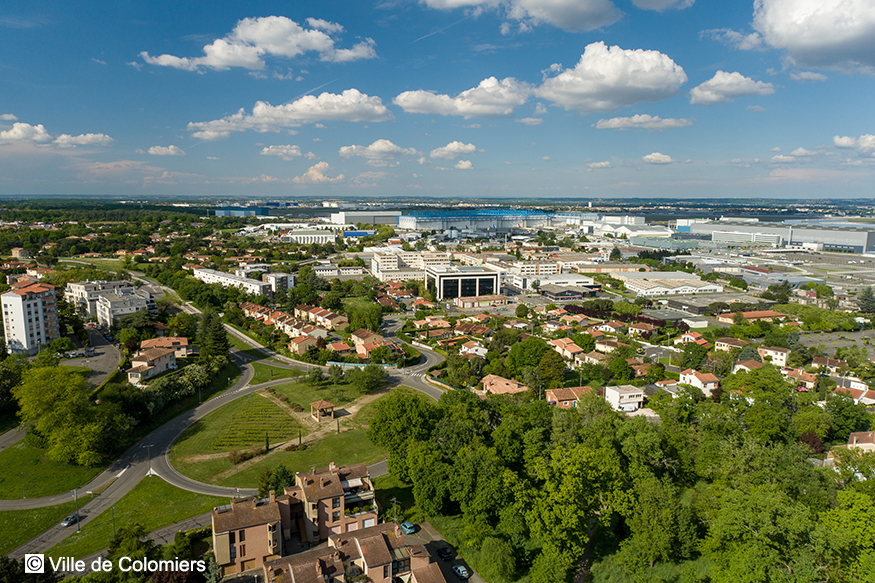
657 158
277 36
7 117
287 152
464 165
831 34
453 150
530 121
599 165
642 121
865 143
24 132
170 150
802 152
68 141
491 98
571 15
351 106
781 158
379 150
606 78
724 87
316 175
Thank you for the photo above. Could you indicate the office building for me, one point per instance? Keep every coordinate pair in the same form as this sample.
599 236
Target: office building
239 211
366 217
464 281
406 265
308 237
30 317
474 219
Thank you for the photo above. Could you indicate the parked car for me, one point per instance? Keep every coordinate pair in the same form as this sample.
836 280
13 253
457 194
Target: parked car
70 520
408 528
461 572
445 554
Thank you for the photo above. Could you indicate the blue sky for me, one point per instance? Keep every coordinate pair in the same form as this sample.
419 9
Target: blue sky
455 98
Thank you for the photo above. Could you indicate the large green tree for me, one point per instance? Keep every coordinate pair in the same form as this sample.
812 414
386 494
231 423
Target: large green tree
212 338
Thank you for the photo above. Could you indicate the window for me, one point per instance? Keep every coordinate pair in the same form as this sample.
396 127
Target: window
335 503
242 536
242 550
232 537
335 516
385 571
233 553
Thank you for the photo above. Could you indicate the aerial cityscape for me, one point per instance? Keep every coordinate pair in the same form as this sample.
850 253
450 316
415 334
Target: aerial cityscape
423 291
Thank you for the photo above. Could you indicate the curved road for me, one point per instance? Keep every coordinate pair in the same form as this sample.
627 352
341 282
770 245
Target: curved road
150 454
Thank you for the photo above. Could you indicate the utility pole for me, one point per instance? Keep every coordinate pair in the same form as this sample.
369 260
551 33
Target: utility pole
149 449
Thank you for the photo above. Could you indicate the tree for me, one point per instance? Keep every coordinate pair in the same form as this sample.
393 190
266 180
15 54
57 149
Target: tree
314 376
62 344
522 311
183 324
369 379
212 338
399 417
866 300
620 370
335 373
738 282
552 367
694 355
526 353
749 353
615 255
12 571
130 338
846 531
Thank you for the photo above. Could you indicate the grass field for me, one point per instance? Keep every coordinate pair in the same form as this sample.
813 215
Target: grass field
153 503
42 477
19 526
113 264
303 393
238 425
388 487
265 373
245 348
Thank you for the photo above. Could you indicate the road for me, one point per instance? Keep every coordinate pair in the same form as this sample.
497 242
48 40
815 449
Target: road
150 454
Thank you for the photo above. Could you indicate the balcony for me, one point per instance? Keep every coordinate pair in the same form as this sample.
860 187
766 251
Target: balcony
363 509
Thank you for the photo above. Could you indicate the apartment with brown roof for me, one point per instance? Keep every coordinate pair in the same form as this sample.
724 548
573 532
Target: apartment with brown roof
246 533
150 363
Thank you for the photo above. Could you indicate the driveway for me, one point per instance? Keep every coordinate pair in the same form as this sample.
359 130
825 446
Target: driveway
104 362
428 536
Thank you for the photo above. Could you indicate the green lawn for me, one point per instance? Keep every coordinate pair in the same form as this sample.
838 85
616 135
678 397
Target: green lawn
42 477
388 487
265 373
244 347
303 393
19 526
238 425
113 264
153 503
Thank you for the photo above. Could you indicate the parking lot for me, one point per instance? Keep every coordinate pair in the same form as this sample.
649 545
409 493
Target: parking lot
429 537
104 362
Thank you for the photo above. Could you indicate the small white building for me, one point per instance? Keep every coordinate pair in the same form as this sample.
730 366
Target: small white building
625 397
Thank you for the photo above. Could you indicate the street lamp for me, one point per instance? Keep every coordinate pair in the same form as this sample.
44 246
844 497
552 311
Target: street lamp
78 518
149 449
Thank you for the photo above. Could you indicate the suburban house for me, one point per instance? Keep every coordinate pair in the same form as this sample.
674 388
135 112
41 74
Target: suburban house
501 386
691 337
608 346
777 356
362 336
473 348
566 398
300 344
149 363
323 502
625 397
377 553
180 345
802 378
364 350
726 344
473 329
566 347
831 364
864 440
341 348
641 329
590 358
613 327
746 366
704 381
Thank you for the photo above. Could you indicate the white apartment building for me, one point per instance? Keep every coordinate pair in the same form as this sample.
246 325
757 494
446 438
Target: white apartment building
84 294
625 397
252 286
112 306
279 281
406 265
527 268
30 317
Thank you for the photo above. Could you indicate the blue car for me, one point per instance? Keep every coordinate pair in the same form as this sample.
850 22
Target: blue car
408 528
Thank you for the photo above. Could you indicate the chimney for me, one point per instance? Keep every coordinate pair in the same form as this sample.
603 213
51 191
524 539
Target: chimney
331 467
272 496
